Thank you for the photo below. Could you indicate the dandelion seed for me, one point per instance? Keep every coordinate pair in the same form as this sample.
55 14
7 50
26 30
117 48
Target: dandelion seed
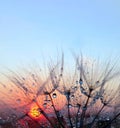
85 101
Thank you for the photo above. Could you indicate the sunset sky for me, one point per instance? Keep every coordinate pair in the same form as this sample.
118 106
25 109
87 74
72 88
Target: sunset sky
30 29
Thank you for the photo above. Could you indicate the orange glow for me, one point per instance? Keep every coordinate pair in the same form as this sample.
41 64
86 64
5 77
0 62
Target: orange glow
34 112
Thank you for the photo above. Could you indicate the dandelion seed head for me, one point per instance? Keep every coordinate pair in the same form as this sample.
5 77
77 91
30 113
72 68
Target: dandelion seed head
60 95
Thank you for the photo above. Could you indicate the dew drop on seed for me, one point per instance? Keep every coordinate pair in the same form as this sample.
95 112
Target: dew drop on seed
108 119
54 95
75 88
61 68
60 75
14 116
97 82
76 81
45 104
81 81
84 108
18 101
72 96
70 105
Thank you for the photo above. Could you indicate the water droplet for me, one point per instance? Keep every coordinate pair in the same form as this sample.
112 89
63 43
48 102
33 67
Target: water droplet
72 96
69 105
108 118
45 104
58 113
81 81
67 94
75 88
13 116
54 95
61 75
84 108
97 82
76 81
18 101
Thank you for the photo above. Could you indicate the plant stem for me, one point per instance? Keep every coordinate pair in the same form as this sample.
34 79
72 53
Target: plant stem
108 124
91 124
84 110
56 113
77 115
45 115
69 116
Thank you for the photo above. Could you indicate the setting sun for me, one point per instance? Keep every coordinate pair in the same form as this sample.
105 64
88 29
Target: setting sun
34 112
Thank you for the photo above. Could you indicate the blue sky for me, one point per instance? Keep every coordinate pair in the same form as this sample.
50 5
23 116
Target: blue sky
32 28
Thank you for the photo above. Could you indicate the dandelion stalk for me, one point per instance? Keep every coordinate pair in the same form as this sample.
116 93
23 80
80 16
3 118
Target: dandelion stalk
111 121
77 115
56 113
69 115
25 91
92 123
45 115
85 109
